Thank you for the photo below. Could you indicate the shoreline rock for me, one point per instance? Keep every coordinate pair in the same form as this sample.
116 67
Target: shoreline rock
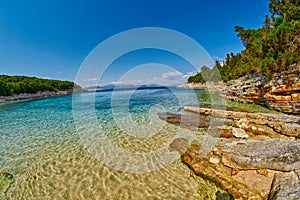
274 154
244 168
44 94
249 168
285 186
281 93
239 133
280 123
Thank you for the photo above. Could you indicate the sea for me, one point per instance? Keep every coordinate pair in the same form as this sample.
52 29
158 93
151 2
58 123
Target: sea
99 145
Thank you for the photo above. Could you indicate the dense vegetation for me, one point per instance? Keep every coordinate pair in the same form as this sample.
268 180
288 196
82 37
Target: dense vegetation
272 48
10 85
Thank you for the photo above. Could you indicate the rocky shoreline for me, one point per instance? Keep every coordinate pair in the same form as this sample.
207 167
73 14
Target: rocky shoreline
256 155
281 92
43 94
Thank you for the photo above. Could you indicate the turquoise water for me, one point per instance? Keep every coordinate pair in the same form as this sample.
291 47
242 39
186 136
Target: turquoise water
57 148
47 154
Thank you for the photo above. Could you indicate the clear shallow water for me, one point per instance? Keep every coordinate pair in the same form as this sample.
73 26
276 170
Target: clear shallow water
42 148
50 159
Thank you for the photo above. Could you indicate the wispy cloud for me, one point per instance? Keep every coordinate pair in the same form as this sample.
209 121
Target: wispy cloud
172 78
221 60
90 80
169 78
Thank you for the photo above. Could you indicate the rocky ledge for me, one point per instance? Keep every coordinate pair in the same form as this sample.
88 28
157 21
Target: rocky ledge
256 156
249 169
281 93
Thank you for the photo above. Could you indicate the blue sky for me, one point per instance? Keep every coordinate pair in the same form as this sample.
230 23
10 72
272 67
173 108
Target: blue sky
52 38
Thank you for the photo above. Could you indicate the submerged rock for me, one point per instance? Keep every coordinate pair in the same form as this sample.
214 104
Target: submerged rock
223 196
179 144
184 120
6 179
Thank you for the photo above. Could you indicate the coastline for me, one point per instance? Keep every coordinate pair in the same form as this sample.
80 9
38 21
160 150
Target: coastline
254 155
281 92
44 94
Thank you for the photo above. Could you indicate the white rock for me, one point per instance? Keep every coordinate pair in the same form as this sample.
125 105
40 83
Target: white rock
254 128
261 130
214 160
243 123
239 133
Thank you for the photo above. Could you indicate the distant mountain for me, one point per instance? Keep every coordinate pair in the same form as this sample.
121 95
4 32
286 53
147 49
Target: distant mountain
111 87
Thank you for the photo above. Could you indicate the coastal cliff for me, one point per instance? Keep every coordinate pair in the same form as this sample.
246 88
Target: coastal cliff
281 93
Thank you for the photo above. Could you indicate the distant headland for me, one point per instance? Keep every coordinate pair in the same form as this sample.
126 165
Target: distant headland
23 87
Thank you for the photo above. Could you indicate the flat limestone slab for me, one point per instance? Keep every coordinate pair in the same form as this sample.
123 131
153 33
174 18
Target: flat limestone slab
285 186
276 154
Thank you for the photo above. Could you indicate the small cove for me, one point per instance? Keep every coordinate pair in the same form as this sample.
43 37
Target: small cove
41 147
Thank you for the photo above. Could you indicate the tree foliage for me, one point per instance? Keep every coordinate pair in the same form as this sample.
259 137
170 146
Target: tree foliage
269 49
10 85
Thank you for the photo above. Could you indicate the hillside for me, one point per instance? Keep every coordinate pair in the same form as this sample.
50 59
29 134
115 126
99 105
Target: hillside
14 85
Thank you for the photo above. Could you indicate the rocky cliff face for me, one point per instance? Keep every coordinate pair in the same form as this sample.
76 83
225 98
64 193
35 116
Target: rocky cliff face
281 93
246 89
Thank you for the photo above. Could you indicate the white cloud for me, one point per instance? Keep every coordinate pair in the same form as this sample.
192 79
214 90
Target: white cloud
172 78
221 60
130 82
146 74
90 80
171 75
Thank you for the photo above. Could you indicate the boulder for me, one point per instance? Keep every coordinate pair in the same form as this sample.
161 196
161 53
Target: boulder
285 186
274 153
239 133
246 168
243 184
